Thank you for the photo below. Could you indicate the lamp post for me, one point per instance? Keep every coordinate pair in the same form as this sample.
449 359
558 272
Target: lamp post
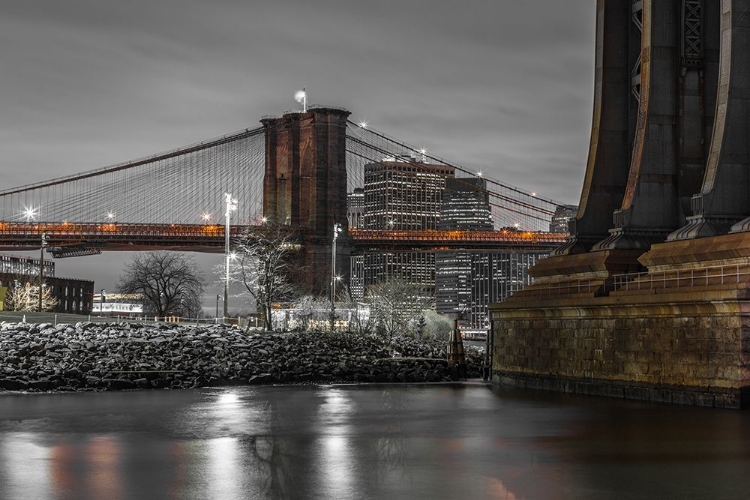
217 308
41 268
336 231
231 207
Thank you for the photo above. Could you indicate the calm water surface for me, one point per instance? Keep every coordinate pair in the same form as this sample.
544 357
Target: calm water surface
362 442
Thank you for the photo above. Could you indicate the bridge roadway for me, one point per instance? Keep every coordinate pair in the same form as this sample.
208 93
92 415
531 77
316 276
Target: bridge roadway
210 238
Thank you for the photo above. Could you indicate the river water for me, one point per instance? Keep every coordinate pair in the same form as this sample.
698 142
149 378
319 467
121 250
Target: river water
366 442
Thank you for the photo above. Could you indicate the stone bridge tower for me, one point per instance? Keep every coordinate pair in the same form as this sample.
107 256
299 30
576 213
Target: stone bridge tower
305 187
668 157
660 249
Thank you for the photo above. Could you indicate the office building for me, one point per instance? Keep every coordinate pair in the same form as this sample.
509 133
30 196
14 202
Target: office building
468 281
415 266
403 193
72 295
563 214
465 205
452 281
355 209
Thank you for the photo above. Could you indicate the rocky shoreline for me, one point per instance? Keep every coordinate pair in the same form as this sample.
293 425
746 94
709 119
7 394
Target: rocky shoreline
121 356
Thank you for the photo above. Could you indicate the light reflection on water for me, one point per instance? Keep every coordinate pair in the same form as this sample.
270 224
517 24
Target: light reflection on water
361 442
16 480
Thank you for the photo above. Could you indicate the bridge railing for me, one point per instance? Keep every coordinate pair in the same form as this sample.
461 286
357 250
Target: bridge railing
450 235
562 288
708 276
75 229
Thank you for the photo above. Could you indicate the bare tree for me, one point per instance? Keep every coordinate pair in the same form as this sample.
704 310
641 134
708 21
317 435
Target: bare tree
264 259
23 295
170 283
394 304
360 318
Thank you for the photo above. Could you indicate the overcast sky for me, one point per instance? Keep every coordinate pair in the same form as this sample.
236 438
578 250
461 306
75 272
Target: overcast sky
504 86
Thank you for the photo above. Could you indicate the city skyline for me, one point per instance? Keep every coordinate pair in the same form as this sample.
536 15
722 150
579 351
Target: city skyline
498 84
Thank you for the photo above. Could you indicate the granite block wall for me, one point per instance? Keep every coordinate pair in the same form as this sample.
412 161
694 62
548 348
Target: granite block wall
634 352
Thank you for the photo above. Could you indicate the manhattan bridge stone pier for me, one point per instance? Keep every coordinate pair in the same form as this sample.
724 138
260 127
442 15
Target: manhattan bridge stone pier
648 299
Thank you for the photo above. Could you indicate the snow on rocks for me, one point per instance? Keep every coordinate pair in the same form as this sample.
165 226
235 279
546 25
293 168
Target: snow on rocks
117 356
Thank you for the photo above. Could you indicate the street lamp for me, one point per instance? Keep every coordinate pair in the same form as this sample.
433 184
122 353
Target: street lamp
41 268
231 207
336 231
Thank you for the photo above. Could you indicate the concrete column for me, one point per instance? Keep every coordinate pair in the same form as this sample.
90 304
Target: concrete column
723 200
609 148
651 207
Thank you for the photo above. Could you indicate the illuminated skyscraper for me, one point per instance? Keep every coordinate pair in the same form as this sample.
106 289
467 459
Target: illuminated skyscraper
563 214
465 205
355 209
403 193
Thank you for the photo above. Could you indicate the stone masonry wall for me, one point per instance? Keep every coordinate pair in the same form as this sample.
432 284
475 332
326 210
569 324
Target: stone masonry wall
679 354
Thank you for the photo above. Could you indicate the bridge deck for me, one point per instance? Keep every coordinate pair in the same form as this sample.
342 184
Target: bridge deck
210 238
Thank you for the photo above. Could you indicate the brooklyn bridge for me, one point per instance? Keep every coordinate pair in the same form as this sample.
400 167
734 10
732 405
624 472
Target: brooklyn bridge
295 171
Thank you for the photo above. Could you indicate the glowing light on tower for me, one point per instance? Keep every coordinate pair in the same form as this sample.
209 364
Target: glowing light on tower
301 96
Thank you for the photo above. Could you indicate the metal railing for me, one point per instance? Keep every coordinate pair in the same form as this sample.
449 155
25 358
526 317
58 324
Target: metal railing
561 288
438 235
709 276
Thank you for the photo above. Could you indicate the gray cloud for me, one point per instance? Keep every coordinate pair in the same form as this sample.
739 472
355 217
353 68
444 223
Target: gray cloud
503 86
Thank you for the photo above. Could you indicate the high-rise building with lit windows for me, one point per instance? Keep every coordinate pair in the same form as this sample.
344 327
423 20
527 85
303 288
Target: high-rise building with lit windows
452 281
404 193
355 209
465 205
496 275
467 281
415 266
562 216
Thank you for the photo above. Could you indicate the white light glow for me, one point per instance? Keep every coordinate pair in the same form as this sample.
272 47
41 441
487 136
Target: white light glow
206 216
110 215
480 174
30 213
533 194
363 124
